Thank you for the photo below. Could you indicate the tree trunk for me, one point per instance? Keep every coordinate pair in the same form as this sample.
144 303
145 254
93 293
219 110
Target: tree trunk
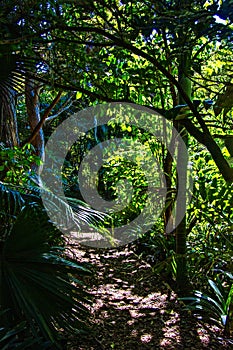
9 128
181 231
169 203
33 111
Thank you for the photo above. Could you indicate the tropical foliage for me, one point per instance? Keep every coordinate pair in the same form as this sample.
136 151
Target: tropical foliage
218 306
41 288
58 57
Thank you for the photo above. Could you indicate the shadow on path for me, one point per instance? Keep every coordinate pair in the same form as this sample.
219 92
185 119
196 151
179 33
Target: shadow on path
134 309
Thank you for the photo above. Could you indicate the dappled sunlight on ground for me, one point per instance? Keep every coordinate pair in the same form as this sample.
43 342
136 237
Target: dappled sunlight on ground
131 308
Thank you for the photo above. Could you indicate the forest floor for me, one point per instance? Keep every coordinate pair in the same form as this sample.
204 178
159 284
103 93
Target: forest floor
133 309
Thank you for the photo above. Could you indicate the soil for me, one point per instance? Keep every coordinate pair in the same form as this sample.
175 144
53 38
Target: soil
134 309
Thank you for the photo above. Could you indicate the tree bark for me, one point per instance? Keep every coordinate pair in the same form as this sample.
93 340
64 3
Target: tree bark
182 163
33 110
9 130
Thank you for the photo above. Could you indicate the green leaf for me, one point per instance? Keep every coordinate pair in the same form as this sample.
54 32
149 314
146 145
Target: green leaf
217 291
78 95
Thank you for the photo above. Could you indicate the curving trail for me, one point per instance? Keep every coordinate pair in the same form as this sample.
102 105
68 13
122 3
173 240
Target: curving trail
135 310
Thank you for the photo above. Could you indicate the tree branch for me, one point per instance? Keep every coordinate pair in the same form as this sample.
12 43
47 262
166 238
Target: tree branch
72 87
33 135
122 43
213 148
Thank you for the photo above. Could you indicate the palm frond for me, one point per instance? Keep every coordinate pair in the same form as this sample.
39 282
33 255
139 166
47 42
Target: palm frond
38 281
70 212
218 293
13 70
17 337
73 211
216 306
11 201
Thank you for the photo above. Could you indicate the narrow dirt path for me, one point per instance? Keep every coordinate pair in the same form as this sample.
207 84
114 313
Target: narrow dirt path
134 309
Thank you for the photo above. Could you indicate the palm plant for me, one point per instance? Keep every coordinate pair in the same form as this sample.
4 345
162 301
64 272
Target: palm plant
38 284
18 337
25 54
218 306
13 198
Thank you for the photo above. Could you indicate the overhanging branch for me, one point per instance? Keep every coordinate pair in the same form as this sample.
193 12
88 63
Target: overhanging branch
213 148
